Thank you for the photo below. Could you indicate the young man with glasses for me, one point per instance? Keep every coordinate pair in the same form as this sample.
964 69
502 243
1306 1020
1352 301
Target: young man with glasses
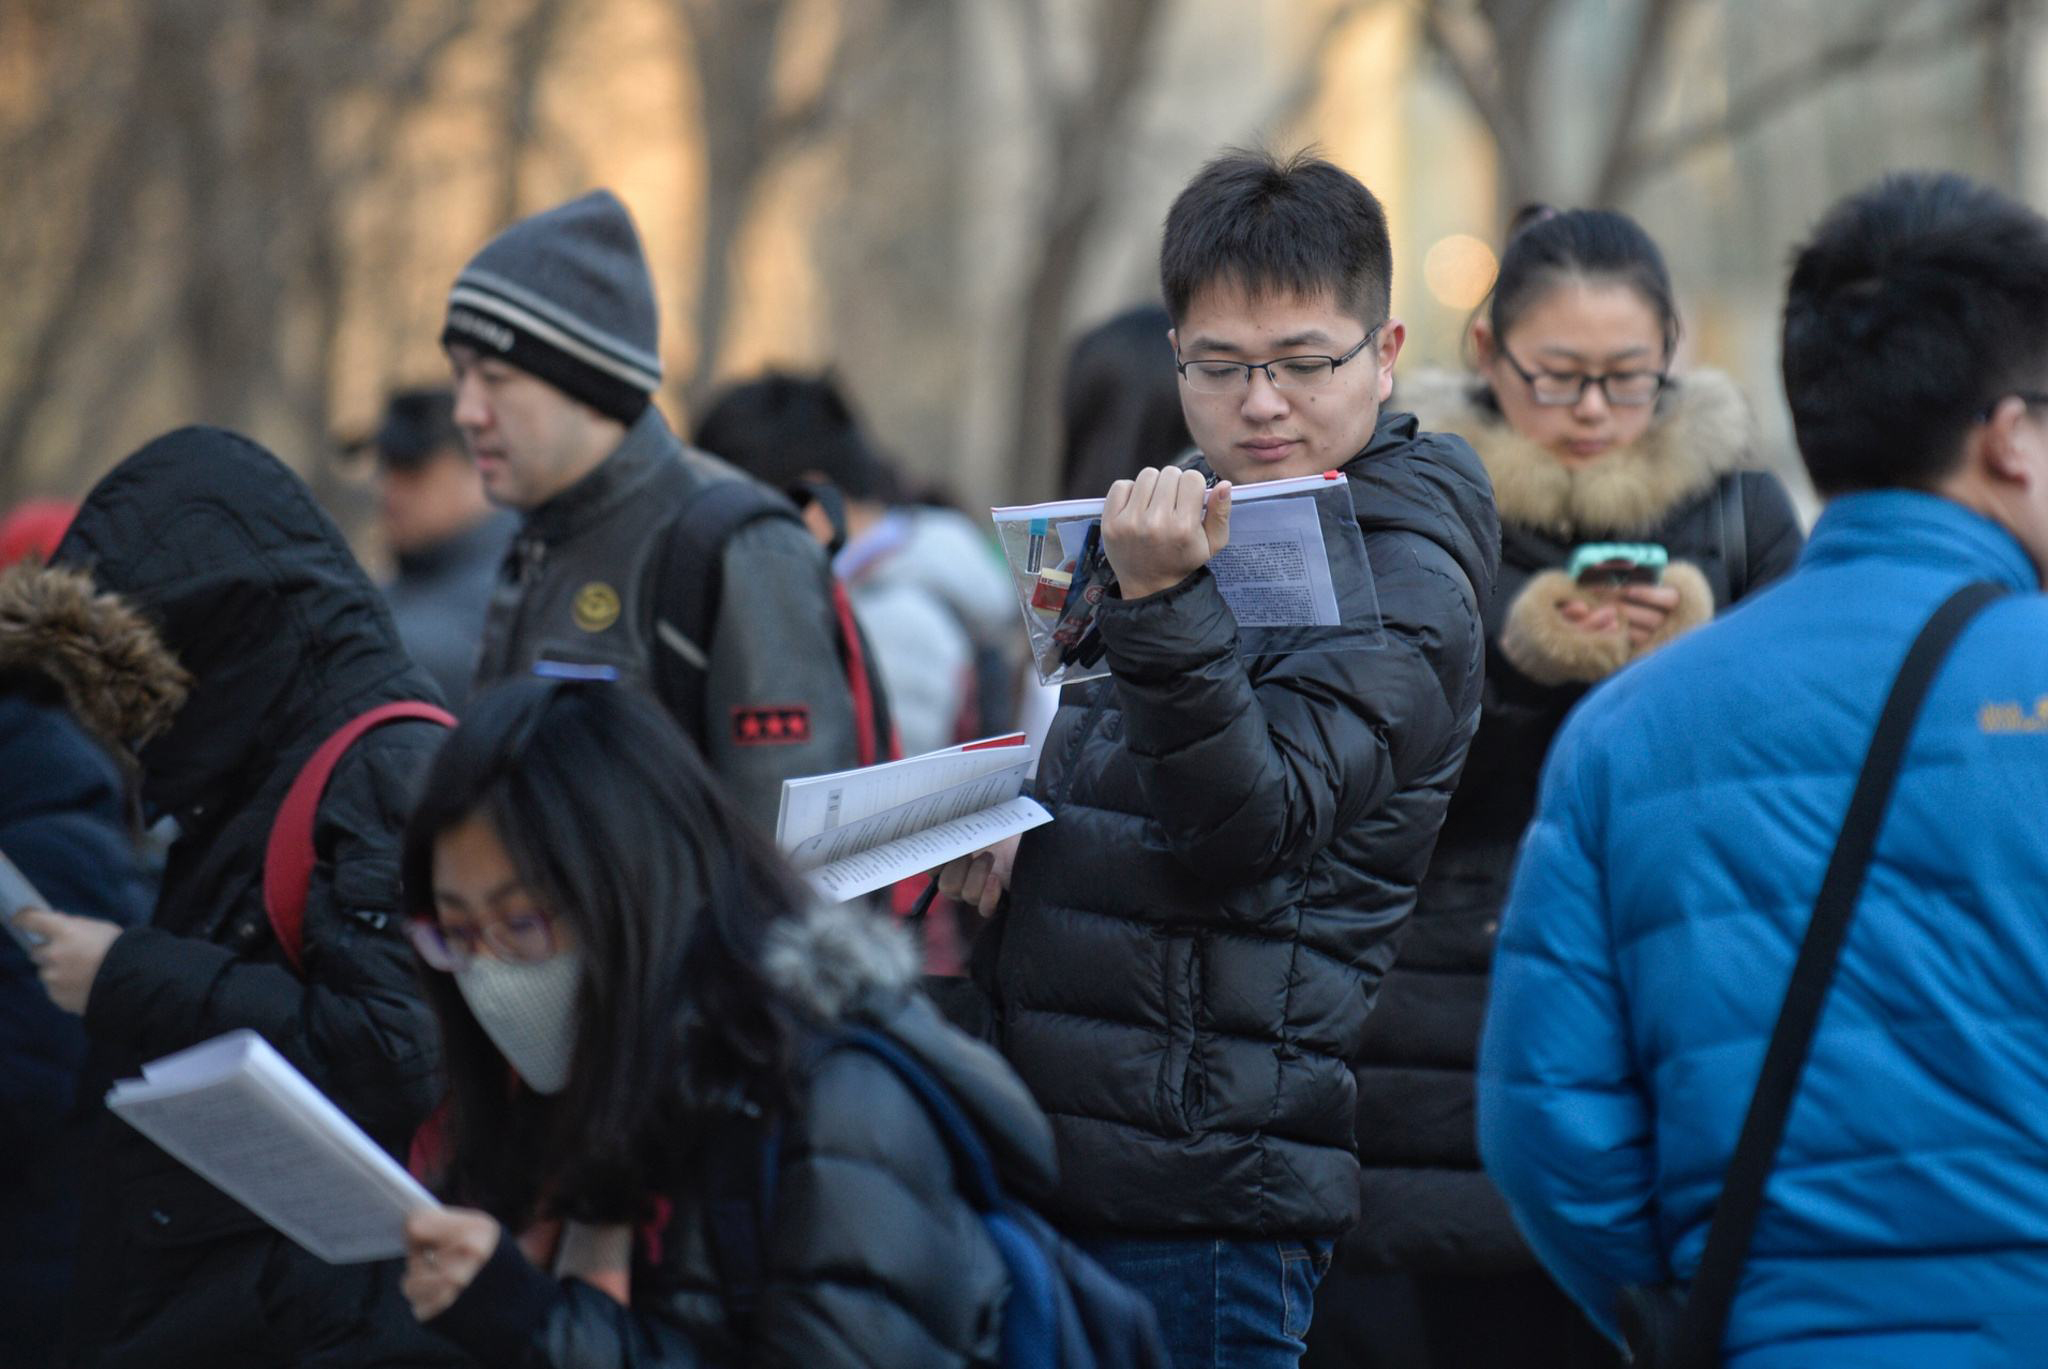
1689 811
1189 952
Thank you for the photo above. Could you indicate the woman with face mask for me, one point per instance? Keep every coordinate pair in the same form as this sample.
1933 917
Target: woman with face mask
1632 511
631 990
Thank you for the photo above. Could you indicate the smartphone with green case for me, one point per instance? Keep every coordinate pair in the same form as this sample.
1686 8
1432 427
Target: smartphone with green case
1614 564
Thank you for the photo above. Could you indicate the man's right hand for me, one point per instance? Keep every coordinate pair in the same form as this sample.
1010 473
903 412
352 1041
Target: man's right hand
982 878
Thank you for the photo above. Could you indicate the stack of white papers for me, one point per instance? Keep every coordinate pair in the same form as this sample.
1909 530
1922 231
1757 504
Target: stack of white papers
234 1111
855 831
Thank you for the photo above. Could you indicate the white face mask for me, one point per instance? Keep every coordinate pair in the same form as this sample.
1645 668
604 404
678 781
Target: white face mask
528 1011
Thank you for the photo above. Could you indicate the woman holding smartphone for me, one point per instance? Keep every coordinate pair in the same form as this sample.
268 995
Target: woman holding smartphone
632 992
1631 512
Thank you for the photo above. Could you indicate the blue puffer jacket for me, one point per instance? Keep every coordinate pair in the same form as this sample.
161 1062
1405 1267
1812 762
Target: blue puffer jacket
1687 814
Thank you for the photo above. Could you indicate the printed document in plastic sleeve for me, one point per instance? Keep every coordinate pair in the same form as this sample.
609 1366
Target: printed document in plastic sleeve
1274 573
1295 574
855 831
236 1113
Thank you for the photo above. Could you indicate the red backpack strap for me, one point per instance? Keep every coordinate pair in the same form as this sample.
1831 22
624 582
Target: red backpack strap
866 726
288 856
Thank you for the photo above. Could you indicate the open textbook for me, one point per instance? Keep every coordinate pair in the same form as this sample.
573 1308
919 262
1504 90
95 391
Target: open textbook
1294 544
854 831
235 1111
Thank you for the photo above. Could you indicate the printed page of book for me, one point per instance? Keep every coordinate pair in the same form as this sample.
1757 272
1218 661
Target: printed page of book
820 804
927 849
235 1112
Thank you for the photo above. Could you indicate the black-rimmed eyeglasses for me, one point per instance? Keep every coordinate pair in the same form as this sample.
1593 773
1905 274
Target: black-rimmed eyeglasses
1559 389
1285 373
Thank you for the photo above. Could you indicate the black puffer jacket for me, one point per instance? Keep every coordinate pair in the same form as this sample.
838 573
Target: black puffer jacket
873 1258
1191 949
254 591
1729 529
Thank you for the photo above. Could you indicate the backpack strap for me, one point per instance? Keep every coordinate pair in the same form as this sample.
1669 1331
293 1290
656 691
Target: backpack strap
1734 538
689 584
742 1167
1705 1319
288 856
973 1168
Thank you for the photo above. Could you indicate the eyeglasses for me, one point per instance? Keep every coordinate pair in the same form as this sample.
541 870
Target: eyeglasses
1558 389
523 940
1284 373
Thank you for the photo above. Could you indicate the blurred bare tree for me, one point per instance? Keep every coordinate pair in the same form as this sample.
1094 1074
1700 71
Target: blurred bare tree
1504 57
753 118
190 162
246 211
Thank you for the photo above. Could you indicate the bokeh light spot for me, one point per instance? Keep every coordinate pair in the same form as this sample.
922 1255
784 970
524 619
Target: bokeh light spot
1459 270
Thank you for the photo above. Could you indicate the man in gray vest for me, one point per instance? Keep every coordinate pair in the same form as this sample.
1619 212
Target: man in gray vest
551 334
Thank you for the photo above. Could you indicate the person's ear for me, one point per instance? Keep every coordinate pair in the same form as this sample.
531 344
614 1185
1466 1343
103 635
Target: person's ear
1482 342
1387 350
1173 340
2008 448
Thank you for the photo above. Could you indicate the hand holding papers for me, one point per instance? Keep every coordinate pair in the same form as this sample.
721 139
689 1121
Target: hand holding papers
234 1111
855 831
1294 574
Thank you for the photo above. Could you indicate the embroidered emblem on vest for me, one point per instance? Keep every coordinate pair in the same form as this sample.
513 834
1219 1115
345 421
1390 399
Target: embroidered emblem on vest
597 606
777 725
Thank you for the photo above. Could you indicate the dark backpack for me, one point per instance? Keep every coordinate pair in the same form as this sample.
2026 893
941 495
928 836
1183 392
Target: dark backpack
1064 1310
689 580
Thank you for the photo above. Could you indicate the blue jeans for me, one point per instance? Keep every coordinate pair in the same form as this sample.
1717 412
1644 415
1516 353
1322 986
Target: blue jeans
1223 1304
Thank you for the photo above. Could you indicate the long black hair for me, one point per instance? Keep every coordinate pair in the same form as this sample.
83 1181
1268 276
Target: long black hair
616 825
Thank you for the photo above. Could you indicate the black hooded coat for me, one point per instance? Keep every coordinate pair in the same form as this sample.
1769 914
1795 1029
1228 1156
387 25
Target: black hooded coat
254 590
1191 949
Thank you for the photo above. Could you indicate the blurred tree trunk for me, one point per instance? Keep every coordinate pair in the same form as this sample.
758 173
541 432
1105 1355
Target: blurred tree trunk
1086 119
2009 37
530 49
750 129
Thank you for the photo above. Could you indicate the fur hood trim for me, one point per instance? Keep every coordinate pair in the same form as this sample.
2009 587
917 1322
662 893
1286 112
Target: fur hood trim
836 958
1703 429
119 681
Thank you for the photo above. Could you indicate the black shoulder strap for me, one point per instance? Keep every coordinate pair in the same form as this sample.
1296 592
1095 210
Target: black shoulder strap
1734 537
742 1167
689 579
1742 1190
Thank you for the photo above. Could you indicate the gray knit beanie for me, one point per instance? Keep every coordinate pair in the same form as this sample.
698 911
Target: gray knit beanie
565 296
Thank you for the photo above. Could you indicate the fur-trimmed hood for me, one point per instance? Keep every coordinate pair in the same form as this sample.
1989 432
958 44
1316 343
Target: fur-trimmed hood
1702 430
836 959
118 680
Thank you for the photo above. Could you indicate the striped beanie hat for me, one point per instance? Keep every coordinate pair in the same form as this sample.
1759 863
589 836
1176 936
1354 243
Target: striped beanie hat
565 296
